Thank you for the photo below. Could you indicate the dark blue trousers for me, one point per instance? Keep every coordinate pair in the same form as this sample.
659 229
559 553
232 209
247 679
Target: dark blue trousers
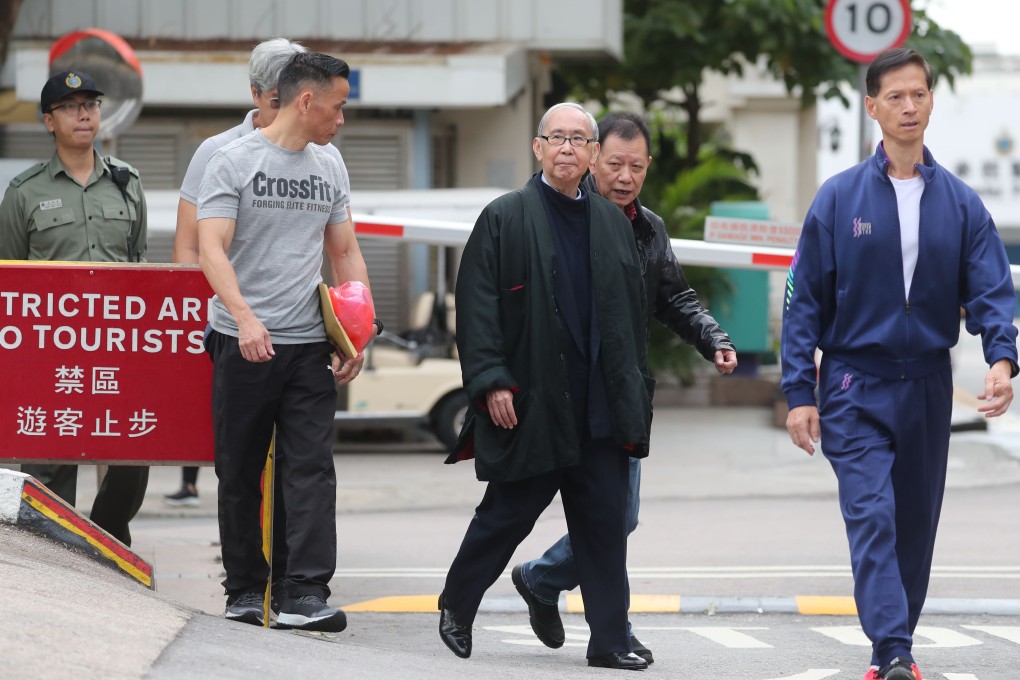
888 443
594 496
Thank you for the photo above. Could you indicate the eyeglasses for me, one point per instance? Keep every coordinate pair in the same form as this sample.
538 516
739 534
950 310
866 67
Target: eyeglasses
74 108
274 102
559 140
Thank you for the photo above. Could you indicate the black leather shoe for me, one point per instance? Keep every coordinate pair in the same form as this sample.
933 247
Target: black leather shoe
641 650
545 618
624 661
455 635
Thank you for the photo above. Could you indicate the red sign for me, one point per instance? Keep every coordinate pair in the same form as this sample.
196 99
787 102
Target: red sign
104 362
753 232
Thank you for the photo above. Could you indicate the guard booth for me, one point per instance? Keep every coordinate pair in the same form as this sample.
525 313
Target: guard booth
744 313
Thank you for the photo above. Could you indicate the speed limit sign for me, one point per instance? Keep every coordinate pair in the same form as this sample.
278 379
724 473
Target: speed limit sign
862 29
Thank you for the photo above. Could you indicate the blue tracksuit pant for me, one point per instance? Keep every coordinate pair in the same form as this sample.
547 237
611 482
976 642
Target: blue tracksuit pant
556 570
888 443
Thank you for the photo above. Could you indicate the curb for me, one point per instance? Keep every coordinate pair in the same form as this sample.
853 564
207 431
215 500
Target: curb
27 504
675 604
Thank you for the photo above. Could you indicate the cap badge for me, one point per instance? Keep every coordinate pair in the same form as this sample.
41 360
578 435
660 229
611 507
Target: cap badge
72 80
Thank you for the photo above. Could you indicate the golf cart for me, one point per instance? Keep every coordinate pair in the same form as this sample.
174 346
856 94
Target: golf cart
411 379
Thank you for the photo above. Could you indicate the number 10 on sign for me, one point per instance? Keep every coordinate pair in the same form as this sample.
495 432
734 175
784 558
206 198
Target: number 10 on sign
862 29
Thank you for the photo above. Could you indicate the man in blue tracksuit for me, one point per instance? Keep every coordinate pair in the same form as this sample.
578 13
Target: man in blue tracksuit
891 250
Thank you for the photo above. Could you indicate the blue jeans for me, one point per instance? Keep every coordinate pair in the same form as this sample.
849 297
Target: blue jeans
556 571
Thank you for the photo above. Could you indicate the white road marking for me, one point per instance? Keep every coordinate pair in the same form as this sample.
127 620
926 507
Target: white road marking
1011 633
574 639
937 637
928 637
848 635
731 638
942 638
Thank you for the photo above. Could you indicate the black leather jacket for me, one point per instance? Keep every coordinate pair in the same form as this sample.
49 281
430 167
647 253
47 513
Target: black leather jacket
671 299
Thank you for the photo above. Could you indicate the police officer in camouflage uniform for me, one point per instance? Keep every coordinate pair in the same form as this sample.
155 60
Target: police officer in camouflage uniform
79 206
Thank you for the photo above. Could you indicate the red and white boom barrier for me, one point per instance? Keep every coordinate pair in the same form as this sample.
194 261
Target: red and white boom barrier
688 252
699 253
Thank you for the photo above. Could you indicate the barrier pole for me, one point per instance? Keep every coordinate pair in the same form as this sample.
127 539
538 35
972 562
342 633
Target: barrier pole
267 525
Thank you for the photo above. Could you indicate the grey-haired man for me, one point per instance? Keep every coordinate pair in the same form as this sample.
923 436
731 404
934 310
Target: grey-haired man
551 326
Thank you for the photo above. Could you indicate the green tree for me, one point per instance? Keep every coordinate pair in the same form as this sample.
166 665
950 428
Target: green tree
669 45
683 196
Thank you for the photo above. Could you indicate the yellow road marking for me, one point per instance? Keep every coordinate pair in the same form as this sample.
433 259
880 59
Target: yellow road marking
413 604
830 606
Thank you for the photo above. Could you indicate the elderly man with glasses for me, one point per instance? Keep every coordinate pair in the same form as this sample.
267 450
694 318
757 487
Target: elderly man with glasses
551 328
79 206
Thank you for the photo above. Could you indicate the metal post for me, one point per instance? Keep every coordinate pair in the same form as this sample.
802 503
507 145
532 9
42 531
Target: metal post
865 126
421 178
441 272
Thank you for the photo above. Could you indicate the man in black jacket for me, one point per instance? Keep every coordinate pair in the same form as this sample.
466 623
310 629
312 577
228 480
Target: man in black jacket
618 171
552 327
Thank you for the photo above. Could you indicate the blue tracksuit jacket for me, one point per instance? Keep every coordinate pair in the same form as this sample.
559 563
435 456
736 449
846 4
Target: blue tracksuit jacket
845 290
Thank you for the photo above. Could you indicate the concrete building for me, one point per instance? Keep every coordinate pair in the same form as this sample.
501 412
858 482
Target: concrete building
445 94
764 120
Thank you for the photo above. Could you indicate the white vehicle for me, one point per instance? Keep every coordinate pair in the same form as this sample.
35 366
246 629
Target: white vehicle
428 394
408 383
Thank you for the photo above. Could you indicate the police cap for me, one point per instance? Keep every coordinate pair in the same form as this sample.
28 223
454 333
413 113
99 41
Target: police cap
63 84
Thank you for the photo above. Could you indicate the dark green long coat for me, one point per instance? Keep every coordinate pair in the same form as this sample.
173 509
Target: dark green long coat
510 335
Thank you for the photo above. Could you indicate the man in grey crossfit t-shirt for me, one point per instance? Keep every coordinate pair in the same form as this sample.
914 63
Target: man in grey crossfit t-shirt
264 66
270 202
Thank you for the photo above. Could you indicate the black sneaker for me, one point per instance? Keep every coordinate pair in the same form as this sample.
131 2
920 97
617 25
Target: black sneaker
182 499
246 608
277 594
310 612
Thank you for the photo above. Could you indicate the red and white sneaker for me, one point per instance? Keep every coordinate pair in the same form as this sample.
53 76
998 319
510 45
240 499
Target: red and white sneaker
897 669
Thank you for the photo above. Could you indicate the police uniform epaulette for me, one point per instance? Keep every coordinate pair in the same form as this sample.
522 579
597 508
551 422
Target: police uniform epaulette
116 162
29 174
